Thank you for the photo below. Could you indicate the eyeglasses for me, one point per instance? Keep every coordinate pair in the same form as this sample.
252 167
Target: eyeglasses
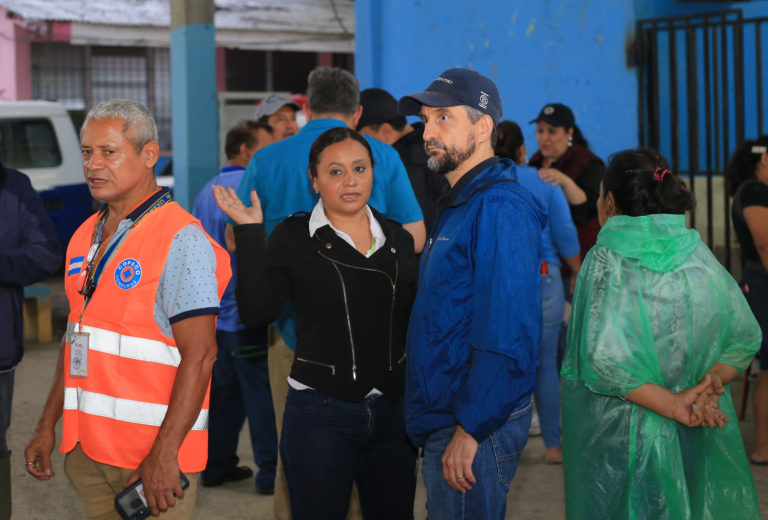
88 281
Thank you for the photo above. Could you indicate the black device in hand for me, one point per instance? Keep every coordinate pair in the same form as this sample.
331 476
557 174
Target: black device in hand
131 503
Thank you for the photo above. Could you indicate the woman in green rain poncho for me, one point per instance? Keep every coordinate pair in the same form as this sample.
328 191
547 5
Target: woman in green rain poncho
658 327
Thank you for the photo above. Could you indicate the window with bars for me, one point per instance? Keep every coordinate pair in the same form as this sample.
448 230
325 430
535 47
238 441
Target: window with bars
80 76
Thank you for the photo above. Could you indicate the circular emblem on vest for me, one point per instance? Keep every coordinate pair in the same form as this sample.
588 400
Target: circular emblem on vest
128 273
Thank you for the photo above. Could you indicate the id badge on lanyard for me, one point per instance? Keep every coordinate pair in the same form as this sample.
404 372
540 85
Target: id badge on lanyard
78 354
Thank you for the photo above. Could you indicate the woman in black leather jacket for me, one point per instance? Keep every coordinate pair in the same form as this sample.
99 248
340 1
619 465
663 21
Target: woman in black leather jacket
350 275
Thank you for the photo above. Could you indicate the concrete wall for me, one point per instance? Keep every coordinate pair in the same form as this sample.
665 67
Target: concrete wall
537 52
571 51
15 69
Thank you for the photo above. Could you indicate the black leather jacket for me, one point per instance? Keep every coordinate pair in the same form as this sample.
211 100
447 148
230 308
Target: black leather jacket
351 311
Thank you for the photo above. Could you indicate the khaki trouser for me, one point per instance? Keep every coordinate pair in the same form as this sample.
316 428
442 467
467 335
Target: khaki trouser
98 484
280 359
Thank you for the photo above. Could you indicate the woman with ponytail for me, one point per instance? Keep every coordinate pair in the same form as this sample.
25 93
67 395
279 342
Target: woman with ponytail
658 330
747 176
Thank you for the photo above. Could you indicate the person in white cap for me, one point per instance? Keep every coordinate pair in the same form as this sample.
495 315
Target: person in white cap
280 113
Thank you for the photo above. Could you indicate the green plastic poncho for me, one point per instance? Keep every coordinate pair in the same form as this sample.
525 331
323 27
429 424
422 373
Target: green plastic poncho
652 305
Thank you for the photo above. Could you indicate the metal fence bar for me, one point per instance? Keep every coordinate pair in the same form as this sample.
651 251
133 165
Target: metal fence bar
759 72
653 135
693 109
708 105
641 58
673 112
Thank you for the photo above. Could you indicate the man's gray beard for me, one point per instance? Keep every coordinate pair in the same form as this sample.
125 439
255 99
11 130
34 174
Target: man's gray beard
452 157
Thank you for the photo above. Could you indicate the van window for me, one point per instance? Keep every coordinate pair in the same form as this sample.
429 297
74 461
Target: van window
28 143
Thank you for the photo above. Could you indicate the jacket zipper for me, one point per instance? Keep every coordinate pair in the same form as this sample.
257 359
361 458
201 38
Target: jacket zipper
317 363
346 304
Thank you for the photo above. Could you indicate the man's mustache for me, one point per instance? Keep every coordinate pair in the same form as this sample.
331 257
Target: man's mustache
433 144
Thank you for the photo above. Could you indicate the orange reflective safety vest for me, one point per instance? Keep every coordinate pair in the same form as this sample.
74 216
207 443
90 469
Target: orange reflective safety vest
116 411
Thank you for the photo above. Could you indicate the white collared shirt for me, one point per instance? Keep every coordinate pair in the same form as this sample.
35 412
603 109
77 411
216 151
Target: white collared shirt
319 219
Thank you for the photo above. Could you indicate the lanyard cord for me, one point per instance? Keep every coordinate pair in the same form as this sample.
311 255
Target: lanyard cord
95 274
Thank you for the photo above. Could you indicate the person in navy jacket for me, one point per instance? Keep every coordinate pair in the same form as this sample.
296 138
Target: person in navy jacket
29 252
476 322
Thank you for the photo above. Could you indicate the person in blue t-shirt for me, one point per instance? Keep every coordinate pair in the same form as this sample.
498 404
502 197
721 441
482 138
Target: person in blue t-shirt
240 382
559 239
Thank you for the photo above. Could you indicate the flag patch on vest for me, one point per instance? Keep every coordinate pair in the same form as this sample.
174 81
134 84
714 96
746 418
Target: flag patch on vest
75 265
128 273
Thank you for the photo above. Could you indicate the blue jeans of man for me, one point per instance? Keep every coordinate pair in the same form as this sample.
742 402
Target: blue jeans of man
547 392
240 388
494 467
327 444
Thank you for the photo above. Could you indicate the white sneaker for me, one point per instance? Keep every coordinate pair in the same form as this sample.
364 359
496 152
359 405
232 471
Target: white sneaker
535 429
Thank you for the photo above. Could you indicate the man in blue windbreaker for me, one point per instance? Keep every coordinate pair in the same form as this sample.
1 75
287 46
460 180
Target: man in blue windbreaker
476 322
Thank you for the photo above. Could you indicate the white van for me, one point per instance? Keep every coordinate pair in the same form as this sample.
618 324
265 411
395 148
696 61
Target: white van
39 139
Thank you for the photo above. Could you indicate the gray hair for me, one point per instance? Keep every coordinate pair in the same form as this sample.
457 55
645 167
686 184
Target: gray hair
333 91
474 116
140 127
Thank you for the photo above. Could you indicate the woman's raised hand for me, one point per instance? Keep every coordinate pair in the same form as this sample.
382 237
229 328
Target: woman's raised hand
231 204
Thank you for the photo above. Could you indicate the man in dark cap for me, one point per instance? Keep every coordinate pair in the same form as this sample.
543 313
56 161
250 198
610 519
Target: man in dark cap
382 121
475 326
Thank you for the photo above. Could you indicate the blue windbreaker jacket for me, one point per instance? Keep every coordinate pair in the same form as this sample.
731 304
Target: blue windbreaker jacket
476 323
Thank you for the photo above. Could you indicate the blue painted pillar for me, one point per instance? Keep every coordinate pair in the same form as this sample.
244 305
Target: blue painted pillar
194 110
368 43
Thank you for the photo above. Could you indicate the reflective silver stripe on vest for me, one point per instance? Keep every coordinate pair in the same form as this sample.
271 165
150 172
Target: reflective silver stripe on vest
129 347
136 412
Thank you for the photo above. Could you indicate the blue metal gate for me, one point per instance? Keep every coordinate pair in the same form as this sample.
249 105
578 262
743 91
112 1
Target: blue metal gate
702 91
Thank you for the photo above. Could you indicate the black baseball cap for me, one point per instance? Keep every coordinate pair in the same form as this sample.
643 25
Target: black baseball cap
556 114
456 87
379 106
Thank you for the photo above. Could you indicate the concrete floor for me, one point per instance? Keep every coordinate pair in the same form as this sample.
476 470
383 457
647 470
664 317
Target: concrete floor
536 492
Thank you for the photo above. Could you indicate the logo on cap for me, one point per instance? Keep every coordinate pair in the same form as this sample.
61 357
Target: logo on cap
449 81
483 100
549 110
128 273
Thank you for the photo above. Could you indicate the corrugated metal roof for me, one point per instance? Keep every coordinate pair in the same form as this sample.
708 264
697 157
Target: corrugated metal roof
304 16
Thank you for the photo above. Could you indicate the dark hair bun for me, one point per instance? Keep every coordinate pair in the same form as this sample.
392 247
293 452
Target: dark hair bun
642 184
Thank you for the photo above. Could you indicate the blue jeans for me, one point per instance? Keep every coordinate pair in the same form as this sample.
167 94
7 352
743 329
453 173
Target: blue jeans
327 444
547 392
240 388
494 467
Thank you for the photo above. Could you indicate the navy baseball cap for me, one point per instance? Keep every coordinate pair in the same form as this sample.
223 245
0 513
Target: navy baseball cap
456 87
556 114
378 107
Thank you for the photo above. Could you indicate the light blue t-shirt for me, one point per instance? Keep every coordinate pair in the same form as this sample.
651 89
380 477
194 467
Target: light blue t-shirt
187 285
214 221
279 173
559 235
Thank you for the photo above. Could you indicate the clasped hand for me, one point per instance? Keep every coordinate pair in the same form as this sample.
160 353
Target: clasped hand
699 405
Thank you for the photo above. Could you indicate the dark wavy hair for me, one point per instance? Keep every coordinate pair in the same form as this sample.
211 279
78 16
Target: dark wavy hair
631 176
510 139
744 163
334 136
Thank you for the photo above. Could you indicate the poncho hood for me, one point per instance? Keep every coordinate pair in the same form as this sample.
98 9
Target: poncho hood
658 242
